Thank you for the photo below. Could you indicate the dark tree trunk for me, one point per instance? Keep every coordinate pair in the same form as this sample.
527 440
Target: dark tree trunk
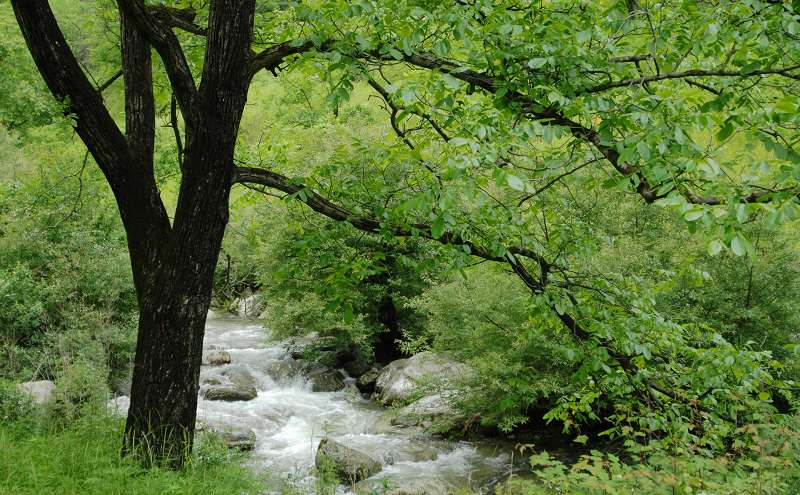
172 265
173 307
387 348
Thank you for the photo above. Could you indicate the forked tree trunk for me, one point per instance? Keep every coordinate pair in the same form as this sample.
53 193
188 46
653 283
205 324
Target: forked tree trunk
173 265
172 315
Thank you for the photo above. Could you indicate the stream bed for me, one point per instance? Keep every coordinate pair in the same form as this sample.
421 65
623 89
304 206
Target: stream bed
289 420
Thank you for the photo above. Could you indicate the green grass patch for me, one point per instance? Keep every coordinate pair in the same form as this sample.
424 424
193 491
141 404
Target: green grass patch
84 458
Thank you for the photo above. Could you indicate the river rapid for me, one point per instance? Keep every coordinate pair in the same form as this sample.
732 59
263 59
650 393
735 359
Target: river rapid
289 420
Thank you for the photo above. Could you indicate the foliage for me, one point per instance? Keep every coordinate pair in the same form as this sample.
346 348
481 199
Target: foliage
765 462
488 321
65 285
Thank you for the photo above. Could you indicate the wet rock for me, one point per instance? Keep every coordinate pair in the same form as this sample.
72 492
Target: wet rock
230 393
325 380
427 410
218 358
350 465
427 453
401 380
41 391
239 376
405 487
212 380
422 487
243 440
366 382
356 363
283 371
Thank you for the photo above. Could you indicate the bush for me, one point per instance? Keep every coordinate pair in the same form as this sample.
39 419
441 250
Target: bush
767 462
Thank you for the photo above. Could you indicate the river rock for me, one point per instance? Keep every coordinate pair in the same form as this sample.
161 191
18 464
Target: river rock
41 391
350 465
325 380
240 376
229 392
213 380
243 440
284 370
406 487
218 358
422 487
426 411
401 380
366 382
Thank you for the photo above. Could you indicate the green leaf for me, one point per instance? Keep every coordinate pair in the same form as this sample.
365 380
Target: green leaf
715 247
725 131
693 215
739 245
515 182
348 313
437 228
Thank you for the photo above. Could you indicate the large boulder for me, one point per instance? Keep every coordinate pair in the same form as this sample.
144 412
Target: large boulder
41 391
402 380
427 411
349 465
229 392
218 358
326 380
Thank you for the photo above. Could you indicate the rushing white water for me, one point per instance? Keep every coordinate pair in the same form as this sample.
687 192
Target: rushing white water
289 421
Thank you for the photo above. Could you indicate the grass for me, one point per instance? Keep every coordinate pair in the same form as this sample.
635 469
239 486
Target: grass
83 458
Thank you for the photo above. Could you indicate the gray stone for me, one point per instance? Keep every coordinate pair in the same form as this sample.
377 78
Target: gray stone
240 376
350 465
230 393
218 358
406 487
283 371
212 380
401 380
422 487
427 410
243 440
324 380
41 391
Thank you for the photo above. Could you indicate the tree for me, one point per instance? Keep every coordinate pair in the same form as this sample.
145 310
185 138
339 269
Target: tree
499 104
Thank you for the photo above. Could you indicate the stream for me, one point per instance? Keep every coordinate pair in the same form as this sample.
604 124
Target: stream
289 420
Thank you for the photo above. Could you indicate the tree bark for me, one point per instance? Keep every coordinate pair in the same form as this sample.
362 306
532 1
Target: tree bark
172 265
173 309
